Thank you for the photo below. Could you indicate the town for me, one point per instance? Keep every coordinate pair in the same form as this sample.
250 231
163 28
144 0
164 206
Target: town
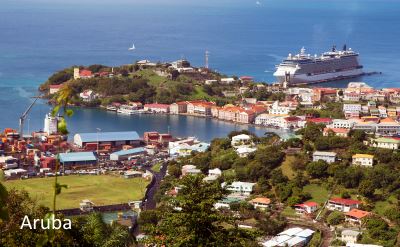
333 183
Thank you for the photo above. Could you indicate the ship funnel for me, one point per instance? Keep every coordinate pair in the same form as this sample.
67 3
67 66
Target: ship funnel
333 48
344 47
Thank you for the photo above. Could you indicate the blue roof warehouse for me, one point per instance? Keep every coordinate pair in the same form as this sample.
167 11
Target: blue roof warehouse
75 159
115 139
125 154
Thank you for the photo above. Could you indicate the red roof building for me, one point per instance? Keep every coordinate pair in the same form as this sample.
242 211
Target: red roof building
85 73
306 207
343 205
355 216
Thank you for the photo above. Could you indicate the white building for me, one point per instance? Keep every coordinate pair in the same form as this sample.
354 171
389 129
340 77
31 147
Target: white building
241 139
363 160
276 108
215 172
343 123
244 151
50 124
388 127
342 205
329 157
387 143
352 110
244 188
227 80
87 96
350 236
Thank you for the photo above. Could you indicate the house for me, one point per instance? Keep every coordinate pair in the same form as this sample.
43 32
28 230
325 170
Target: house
241 139
243 188
306 207
277 108
178 107
156 108
351 110
342 132
215 172
261 202
363 160
325 121
388 126
350 236
185 149
341 204
227 80
343 123
356 216
387 143
54 88
244 151
84 74
226 202
88 96
190 170
329 157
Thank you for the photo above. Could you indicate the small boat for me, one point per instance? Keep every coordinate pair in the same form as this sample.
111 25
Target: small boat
126 109
132 48
111 108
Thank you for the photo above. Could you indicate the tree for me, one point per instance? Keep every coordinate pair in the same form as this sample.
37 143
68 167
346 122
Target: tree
197 222
3 200
318 169
378 229
335 218
367 188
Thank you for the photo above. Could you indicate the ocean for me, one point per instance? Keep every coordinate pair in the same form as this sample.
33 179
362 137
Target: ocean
39 37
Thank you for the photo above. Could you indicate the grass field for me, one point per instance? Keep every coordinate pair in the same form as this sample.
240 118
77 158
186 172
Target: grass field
101 190
287 166
318 193
157 167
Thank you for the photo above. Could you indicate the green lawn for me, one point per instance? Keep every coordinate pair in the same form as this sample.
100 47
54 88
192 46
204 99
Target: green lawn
287 166
101 190
382 206
157 167
318 193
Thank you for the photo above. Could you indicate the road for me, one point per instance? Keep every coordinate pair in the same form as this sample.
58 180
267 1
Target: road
149 202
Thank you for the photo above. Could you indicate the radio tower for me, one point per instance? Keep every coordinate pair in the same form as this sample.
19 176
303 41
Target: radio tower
206 59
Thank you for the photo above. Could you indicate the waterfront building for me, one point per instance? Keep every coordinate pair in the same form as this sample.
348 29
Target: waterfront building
306 207
215 111
387 143
342 205
202 108
178 107
156 108
126 154
77 159
50 124
328 157
363 160
342 132
54 88
115 139
355 216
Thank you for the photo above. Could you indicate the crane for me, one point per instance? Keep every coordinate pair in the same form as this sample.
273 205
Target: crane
23 117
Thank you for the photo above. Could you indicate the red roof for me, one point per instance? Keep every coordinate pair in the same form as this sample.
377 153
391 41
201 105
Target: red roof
292 119
307 204
344 201
357 213
85 72
320 120
56 86
337 130
246 78
163 106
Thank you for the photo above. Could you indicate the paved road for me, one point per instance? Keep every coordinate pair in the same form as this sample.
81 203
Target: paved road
149 202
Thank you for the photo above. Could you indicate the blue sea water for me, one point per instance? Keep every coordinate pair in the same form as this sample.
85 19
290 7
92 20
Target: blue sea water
39 37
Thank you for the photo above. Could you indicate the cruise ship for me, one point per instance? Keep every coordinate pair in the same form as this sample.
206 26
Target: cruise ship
332 65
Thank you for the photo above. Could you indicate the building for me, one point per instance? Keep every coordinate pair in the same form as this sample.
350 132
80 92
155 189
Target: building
363 160
350 236
351 110
190 170
387 143
115 139
261 203
342 205
50 124
341 132
178 107
241 139
77 159
88 96
227 80
355 216
156 108
388 126
201 108
215 172
244 151
186 148
126 154
292 237
329 157
54 88
342 123
243 188
279 109
226 202
306 207
362 245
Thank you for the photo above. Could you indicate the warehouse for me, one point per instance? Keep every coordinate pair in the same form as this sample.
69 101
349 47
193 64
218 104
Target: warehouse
125 154
115 139
77 159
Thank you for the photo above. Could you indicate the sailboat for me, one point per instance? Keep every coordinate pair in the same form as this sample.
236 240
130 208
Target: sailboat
132 48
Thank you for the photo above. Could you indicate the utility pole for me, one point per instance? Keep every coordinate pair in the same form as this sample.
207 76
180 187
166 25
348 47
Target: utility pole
97 152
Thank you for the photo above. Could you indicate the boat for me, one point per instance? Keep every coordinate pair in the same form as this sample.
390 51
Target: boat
111 108
126 109
132 48
306 69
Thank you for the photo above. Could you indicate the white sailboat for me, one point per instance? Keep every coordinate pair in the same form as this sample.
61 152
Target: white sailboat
132 48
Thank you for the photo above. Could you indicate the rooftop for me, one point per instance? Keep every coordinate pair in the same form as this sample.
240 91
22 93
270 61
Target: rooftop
77 156
323 153
344 201
357 213
129 151
108 136
366 156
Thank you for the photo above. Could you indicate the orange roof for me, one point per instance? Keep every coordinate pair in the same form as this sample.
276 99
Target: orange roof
307 204
357 213
337 130
263 200
387 120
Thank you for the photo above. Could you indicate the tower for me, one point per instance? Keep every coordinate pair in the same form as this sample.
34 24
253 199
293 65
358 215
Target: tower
206 59
50 124
76 73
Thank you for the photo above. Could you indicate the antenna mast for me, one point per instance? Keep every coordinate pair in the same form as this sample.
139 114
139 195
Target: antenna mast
206 59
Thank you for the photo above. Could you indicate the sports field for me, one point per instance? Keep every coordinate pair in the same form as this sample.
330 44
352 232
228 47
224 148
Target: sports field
101 190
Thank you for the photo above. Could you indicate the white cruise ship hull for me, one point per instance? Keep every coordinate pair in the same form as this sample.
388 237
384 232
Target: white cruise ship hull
316 78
